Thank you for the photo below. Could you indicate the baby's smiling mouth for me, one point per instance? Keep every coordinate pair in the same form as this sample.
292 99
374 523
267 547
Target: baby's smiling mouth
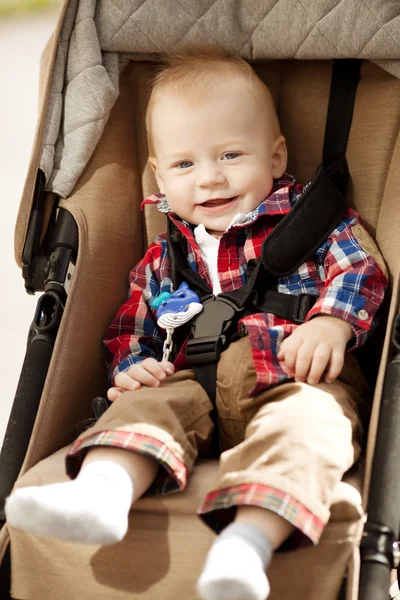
218 202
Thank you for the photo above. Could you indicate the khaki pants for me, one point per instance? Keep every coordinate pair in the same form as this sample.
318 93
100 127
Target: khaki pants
284 449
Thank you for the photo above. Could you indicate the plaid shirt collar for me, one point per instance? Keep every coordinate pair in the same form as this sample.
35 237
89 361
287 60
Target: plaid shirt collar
277 203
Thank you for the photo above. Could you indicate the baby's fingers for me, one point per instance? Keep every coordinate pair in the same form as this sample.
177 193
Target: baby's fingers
336 365
113 393
125 382
168 367
282 348
288 354
154 371
320 360
303 361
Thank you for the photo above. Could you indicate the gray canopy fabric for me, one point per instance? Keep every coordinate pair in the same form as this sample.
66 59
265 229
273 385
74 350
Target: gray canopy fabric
97 40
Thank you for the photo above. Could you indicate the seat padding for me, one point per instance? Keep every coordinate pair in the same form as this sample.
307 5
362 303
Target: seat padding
166 546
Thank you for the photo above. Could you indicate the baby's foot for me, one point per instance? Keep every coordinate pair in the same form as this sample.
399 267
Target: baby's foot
233 571
92 509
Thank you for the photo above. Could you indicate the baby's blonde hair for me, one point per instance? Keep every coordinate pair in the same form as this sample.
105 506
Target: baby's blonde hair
195 68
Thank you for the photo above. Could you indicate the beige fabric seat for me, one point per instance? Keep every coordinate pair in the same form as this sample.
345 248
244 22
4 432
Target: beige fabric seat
166 547
162 554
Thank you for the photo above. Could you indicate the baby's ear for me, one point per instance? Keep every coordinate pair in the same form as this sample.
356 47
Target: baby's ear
154 165
279 157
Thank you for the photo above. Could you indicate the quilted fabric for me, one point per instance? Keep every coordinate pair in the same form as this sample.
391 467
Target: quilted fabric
255 29
98 38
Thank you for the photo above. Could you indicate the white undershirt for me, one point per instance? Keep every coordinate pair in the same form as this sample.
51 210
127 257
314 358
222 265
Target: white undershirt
209 246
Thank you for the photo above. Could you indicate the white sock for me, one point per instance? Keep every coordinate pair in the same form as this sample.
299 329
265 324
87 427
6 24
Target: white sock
92 509
235 566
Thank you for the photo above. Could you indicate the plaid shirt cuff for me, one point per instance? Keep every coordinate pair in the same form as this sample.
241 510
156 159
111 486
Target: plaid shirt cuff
172 479
352 308
267 497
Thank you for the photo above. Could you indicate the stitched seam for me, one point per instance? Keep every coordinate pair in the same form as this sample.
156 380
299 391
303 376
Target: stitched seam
213 4
197 21
82 68
134 24
380 26
68 133
200 16
83 72
383 25
120 9
315 26
81 21
260 23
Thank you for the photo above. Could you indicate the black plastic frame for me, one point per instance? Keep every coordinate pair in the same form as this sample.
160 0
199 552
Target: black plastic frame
59 251
383 524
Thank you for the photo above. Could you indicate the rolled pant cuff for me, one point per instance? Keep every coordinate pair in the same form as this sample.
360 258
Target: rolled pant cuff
214 511
173 479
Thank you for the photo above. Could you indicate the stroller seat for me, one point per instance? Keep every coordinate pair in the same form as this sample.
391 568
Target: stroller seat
166 546
163 552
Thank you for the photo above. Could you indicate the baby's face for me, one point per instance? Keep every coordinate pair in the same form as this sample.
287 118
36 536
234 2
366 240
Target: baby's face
215 156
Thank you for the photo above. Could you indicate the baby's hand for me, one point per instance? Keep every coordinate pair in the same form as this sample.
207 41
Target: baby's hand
315 346
150 372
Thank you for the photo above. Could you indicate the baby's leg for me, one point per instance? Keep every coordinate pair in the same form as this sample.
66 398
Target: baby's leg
298 443
121 455
91 509
236 564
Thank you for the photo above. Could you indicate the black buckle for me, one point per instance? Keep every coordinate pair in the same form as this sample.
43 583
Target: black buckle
205 349
303 303
210 330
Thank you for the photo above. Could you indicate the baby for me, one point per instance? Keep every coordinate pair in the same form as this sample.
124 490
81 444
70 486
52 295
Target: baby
289 397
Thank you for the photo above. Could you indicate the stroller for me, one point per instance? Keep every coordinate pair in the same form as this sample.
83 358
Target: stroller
80 230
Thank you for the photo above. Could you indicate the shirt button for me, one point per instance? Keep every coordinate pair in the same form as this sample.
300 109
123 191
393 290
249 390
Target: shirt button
363 315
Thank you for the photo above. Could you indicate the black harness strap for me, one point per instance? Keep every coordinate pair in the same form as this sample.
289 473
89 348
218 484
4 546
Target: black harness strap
293 241
345 79
323 200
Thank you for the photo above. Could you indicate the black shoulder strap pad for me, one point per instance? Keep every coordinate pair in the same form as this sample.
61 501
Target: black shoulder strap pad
302 231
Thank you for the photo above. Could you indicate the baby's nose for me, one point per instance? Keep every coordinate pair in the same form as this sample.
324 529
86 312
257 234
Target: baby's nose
210 176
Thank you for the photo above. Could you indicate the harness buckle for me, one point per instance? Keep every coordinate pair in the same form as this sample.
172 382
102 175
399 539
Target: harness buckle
210 330
205 349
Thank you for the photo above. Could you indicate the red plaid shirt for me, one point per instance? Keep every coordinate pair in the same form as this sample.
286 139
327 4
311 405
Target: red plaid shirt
348 281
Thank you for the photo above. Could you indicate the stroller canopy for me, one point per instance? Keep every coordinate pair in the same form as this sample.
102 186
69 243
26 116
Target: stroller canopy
95 41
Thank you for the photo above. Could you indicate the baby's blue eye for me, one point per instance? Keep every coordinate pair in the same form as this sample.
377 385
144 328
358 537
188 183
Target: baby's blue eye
230 155
185 164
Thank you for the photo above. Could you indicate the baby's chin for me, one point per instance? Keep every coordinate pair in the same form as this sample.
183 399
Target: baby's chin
220 219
